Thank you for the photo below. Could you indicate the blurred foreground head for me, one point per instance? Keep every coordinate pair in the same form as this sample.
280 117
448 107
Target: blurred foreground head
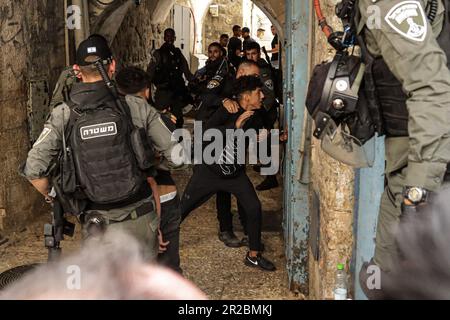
106 269
423 270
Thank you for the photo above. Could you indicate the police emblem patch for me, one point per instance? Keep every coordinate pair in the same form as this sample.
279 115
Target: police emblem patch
213 84
269 84
408 19
42 136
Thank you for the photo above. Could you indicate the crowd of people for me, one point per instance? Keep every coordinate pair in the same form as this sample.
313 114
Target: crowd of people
108 114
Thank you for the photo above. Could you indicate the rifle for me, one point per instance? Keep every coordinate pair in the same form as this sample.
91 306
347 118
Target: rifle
278 81
54 232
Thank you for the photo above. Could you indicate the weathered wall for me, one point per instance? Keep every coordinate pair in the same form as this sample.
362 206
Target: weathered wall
333 182
133 42
230 13
32 48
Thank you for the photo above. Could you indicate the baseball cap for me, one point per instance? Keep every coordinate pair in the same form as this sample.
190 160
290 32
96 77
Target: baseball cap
93 46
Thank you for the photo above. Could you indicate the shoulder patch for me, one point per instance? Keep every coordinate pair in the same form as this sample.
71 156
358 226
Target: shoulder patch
213 84
43 136
409 20
269 84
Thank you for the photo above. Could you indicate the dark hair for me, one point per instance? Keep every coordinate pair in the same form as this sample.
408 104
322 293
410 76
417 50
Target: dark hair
224 36
169 30
132 80
245 29
248 63
215 44
253 45
236 28
246 84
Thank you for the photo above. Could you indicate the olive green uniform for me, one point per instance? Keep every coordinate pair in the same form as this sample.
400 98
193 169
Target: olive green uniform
417 61
45 151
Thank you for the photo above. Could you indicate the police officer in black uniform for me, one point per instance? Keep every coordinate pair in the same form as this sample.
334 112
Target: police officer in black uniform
166 70
270 110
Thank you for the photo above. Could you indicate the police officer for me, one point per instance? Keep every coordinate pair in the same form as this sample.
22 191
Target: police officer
211 81
270 111
410 48
166 70
67 78
108 179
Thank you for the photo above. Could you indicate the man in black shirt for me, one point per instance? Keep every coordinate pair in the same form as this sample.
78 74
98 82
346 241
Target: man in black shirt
275 49
247 38
166 70
226 174
224 39
235 47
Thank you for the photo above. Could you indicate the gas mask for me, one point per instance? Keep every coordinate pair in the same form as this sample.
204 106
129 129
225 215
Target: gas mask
336 103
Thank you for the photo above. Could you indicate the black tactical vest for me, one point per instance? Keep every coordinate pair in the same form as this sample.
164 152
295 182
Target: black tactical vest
106 168
389 91
169 73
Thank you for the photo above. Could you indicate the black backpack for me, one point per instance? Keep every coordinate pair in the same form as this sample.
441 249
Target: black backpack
101 164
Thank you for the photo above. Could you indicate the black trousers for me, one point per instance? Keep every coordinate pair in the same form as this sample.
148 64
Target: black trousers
170 228
204 183
224 215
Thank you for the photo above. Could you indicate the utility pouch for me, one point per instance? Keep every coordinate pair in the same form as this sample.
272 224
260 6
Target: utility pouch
143 152
68 174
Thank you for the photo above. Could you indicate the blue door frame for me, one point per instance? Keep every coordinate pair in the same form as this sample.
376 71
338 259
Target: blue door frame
368 182
369 187
296 164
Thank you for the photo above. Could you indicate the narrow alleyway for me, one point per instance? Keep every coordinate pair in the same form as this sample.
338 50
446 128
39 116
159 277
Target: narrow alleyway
218 270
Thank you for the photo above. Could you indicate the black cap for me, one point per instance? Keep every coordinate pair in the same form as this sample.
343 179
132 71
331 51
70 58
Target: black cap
93 46
245 29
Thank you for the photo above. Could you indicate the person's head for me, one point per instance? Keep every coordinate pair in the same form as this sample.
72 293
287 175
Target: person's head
214 51
245 32
134 81
274 30
253 51
247 68
237 31
110 268
247 90
169 36
224 40
260 33
91 50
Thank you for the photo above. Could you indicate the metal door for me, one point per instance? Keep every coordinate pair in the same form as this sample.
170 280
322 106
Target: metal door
182 27
297 156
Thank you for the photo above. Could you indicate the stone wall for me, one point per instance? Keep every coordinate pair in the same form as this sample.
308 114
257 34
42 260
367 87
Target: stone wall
32 48
134 40
334 184
230 14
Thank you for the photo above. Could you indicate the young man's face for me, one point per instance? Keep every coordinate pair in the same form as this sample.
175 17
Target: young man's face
253 55
274 31
255 99
224 41
245 35
214 53
237 33
169 37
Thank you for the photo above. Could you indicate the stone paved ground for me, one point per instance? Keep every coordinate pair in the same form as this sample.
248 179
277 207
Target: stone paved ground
218 270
